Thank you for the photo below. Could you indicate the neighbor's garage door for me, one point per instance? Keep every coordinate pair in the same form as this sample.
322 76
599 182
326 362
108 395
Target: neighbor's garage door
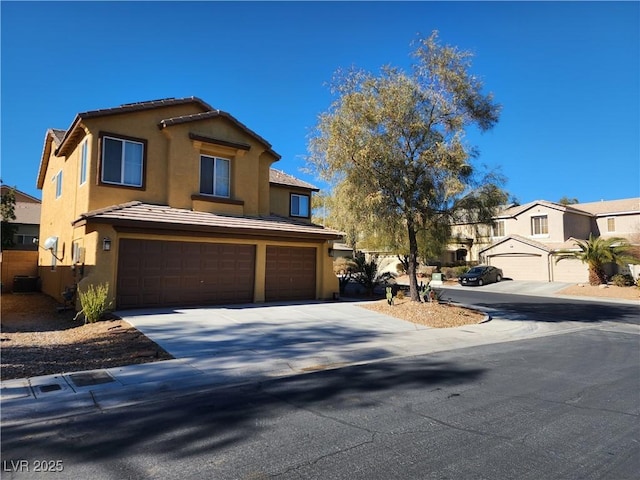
290 273
154 273
522 267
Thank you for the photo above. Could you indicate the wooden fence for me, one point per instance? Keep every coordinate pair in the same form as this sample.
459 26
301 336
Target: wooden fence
17 263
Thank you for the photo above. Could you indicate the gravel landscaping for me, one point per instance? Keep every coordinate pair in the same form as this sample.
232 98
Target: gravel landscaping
37 340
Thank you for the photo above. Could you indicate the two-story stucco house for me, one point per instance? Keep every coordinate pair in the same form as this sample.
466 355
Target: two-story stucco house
525 238
173 202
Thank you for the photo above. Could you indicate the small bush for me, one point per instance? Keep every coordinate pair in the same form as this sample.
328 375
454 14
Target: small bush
620 280
94 302
400 295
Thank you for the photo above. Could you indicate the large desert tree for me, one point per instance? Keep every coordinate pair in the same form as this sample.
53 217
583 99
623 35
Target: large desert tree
393 147
598 251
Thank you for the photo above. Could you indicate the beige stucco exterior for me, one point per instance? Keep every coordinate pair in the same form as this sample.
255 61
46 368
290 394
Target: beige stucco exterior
525 254
171 176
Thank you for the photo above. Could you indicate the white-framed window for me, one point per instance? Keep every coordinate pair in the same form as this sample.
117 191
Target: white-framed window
539 225
299 205
58 180
497 229
24 239
122 161
215 176
83 161
611 224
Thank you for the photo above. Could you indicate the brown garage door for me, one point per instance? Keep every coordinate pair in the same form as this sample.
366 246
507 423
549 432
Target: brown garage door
290 273
154 273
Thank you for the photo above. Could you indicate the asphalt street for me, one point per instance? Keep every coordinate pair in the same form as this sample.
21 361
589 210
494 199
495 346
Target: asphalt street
558 407
545 308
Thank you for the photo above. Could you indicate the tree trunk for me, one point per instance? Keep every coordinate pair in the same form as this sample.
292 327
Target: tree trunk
413 262
596 275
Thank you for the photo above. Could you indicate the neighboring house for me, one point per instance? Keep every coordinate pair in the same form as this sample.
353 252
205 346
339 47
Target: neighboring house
27 212
524 239
173 202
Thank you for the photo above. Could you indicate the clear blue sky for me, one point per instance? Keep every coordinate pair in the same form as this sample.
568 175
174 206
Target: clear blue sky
567 75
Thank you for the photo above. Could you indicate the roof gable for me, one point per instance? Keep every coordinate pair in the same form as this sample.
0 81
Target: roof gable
513 212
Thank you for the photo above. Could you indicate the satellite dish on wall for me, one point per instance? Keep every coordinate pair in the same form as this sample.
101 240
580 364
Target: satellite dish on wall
50 242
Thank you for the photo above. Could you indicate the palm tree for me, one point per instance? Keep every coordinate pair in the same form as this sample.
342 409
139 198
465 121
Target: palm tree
598 251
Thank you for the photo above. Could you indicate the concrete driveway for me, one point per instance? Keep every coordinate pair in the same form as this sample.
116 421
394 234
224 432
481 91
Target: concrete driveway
300 337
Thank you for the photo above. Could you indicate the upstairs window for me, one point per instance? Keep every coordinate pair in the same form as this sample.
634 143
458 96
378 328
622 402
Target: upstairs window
539 225
122 161
299 205
498 229
215 178
611 224
83 162
58 180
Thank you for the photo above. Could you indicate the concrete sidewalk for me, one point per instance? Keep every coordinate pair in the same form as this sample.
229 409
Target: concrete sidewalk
222 346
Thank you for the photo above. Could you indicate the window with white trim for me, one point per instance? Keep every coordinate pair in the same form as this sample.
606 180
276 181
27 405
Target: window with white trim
122 161
299 205
58 180
611 224
83 162
497 229
539 225
215 176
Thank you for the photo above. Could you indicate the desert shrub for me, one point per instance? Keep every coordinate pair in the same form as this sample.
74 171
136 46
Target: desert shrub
94 302
622 280
342 265
367 274
400 268
400 295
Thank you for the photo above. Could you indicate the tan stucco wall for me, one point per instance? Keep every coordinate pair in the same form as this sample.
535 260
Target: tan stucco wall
281 198
172 171
627 226
172 177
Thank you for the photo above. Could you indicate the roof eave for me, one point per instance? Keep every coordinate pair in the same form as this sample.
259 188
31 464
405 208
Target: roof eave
228 231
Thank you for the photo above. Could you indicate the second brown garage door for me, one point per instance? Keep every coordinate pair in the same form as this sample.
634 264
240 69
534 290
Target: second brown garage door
154 273
290 273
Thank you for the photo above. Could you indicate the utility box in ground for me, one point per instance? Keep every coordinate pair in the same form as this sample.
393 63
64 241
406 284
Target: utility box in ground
25 284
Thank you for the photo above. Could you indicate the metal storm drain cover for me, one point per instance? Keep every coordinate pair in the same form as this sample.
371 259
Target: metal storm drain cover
86 379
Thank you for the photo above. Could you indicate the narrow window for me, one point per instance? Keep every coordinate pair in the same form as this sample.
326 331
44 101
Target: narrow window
58 180
83 162
539 225
498 228
611 224
299 205
215 176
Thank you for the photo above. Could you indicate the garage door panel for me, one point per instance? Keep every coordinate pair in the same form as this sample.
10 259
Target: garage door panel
290 273
157 273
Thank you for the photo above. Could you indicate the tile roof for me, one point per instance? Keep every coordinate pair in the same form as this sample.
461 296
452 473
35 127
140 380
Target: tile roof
146 105
625 205
610 206
138 214
281 178
57 135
